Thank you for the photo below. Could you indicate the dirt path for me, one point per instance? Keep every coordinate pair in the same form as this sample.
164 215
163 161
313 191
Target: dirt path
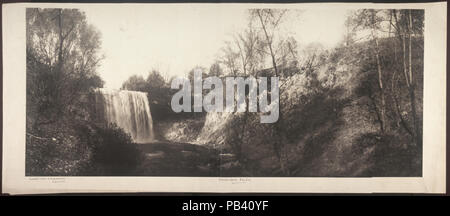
179 159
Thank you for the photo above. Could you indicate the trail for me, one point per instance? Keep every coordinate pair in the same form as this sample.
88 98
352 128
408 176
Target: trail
166 158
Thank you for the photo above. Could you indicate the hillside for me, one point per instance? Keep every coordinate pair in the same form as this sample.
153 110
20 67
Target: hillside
328 125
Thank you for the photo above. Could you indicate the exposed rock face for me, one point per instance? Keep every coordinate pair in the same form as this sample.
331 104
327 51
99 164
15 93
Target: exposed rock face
322 128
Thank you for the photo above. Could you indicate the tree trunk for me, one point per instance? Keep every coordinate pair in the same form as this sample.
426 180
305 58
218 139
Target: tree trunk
380 78
397 106
278 145
418 137
380 85
269 43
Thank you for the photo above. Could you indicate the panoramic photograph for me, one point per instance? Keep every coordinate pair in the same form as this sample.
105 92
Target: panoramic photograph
224 92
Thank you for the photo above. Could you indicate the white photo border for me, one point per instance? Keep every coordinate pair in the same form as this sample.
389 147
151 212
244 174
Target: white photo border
434 122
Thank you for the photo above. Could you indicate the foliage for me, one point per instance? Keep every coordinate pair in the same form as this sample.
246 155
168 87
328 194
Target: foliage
62 56
135 83
55 149
114 151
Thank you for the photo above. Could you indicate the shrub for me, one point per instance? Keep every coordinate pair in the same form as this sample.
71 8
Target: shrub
56 150
114 152
391 155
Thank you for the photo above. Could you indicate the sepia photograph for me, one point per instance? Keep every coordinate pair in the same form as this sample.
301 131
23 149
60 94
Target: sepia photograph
99 95
228 92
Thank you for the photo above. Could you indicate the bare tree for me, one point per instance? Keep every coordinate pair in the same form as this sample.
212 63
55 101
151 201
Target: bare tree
406 24
403 25
247 44
270 21
229 58
369 19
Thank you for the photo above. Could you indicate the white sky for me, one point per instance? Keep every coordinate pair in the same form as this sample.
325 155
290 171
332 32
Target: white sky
175 38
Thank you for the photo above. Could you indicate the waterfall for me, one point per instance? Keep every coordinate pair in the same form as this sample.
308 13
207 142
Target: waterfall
129 110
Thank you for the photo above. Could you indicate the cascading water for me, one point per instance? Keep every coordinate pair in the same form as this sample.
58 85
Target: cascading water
129 110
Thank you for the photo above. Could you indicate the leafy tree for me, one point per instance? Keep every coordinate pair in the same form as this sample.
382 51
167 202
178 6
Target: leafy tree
159 95
155 79
215 70
135 83
62 56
